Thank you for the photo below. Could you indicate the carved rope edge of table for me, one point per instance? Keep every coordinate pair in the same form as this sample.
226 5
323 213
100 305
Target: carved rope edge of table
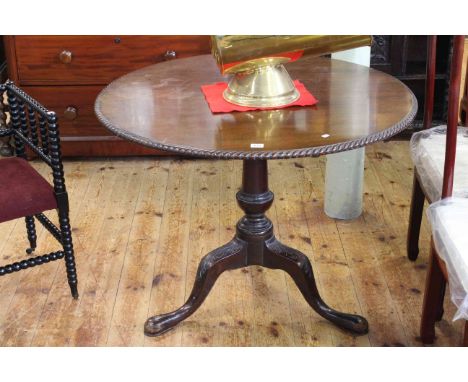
280 154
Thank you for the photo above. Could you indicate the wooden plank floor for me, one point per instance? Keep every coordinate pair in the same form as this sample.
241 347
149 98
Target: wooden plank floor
141 226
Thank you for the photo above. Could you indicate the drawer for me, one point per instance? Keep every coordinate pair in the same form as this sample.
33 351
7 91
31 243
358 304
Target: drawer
96 59
74 106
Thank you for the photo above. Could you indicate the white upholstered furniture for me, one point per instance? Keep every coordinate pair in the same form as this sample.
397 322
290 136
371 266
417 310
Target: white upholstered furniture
449 218
440 157
428 154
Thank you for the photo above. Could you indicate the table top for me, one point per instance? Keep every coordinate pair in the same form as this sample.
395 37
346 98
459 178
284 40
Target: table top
162 106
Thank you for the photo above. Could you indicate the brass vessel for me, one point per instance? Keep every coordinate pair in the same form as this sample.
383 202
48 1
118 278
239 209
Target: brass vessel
256 63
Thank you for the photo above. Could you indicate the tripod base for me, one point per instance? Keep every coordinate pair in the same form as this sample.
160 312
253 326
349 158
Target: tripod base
255 244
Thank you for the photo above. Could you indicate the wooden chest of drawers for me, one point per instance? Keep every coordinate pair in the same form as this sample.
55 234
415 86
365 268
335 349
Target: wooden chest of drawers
66 73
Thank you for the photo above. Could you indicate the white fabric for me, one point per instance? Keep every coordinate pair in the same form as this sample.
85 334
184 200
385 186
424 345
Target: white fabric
449 219
344 175
428 153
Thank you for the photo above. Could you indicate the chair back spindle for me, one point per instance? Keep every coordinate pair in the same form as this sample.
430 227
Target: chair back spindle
23 123
464 104
44 135
15 122
25 113
55 154
32 125
430 81
452 115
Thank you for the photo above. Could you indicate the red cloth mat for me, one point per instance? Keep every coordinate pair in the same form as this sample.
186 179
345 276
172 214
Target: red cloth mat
214 96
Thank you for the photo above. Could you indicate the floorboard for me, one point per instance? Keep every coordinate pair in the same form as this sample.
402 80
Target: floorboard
142 225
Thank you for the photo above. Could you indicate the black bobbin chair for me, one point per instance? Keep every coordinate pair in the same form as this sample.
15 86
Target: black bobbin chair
23 191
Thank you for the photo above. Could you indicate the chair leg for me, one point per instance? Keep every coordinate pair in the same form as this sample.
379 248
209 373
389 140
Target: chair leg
415 217
31 230
433 299
465 336
69 257
440 313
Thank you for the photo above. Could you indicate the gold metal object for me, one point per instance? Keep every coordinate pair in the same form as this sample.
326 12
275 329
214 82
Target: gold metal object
266 86
256 62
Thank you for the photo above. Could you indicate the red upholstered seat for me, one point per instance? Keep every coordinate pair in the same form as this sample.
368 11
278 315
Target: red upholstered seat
23 191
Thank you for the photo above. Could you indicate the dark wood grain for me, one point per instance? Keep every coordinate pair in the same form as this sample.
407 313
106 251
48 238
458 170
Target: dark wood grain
433 298
96 59
405 58
437 273
59 98
39 65
418 195
452 116
100 146
415 217
255 244
84 135
162 106
430 81
10 53
464 104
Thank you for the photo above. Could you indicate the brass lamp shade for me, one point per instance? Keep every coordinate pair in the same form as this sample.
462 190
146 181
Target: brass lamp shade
256 62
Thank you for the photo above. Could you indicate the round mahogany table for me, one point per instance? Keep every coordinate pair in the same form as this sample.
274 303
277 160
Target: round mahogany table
162 106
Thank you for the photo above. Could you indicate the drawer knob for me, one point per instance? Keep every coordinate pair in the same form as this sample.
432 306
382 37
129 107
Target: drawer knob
169 55
70 113
66 56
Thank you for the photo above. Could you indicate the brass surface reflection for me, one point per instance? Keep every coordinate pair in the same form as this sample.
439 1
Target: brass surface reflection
263 126
256 62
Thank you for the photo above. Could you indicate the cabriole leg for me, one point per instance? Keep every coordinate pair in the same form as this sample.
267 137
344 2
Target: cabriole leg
230 256
298 266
